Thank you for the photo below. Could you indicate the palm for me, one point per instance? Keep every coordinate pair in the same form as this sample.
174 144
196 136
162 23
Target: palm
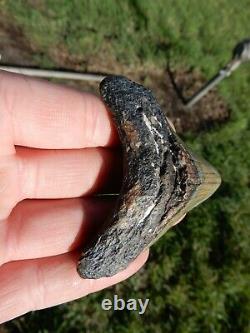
46 209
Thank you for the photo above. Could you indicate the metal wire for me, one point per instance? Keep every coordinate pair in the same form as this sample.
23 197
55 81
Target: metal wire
58 74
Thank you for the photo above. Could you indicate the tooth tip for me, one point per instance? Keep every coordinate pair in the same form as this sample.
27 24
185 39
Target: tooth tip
210 181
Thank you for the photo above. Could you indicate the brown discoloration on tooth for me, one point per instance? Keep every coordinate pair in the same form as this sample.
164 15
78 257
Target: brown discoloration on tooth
162 180
128 199
132 135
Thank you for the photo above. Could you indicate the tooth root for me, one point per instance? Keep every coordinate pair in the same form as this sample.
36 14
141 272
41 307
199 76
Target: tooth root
163 180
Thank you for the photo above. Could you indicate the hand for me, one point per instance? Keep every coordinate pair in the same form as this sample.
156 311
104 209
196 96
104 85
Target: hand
44 213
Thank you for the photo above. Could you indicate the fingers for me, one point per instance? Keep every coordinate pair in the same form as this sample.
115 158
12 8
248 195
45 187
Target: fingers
66 173
40 283
42 228
36 173
39 114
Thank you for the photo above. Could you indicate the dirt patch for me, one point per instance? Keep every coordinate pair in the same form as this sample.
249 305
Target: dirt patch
14 47
211 110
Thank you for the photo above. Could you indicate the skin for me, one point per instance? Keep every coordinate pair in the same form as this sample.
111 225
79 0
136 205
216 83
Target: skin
47 208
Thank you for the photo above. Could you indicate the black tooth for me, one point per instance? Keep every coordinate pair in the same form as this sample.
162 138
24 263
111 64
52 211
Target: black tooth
160 179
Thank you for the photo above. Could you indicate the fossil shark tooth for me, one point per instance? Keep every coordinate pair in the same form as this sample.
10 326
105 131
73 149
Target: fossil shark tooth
162 180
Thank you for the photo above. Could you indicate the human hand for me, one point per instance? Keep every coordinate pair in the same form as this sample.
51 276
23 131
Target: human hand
46 211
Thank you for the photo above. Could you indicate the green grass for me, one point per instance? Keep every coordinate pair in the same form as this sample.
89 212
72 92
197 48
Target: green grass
197 277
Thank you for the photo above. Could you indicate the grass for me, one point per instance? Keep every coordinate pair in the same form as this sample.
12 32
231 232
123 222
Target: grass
197 277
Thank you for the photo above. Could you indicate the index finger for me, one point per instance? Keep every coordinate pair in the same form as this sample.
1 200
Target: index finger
41 114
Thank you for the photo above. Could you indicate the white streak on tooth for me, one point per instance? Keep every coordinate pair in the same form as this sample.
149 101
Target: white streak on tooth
159 134
154 121
148 124
147 212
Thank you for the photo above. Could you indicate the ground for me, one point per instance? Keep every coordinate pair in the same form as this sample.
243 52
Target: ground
209 110
197 274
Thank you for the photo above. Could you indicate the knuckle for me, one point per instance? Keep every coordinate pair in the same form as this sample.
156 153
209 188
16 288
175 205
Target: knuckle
5 93
13 234
9 185
6 106
91 125
37 290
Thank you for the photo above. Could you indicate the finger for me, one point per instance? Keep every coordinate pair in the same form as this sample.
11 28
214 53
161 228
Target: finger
67 173
40 114
35 173
42 228
40 283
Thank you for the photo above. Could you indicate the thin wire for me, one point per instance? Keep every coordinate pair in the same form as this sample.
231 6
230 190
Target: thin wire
58 74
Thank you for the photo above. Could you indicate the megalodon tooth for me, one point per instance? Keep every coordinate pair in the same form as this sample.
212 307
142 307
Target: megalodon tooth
162 180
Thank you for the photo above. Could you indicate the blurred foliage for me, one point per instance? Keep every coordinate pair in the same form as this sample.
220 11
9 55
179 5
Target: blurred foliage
197 277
